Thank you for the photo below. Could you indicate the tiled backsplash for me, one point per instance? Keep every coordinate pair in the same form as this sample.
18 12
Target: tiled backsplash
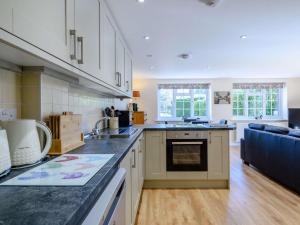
10 92
58 96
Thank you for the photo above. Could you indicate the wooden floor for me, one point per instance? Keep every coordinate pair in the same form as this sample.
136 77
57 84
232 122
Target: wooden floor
252 199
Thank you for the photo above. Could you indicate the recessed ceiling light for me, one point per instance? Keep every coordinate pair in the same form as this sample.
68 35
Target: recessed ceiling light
146 38
141 1
184 56
149 55
243 37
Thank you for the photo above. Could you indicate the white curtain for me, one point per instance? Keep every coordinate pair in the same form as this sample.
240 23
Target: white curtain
258 85
184 86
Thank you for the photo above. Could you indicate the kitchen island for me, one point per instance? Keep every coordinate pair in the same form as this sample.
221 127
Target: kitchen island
70 205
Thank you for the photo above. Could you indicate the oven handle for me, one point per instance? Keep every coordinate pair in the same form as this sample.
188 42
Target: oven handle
187 143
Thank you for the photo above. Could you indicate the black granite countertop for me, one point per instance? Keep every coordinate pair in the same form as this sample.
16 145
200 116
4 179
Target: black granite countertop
55 205
62 205
185 127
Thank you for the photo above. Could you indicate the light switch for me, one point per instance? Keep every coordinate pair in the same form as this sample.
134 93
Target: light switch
8 114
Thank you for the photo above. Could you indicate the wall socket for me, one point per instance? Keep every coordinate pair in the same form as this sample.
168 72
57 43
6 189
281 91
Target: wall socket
8 114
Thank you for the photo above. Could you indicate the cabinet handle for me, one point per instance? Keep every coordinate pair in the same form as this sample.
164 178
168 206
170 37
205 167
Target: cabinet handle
134 159
120 80
127 83
209 137
118 75
80 40
73 33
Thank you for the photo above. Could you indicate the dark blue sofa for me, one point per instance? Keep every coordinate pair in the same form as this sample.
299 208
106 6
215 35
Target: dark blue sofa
273 152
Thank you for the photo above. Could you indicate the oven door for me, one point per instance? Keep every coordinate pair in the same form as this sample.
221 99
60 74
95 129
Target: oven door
187 155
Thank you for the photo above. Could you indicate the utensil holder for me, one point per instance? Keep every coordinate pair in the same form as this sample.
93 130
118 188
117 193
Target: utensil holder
114 123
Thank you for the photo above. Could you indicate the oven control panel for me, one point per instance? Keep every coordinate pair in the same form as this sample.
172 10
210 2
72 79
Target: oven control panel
187 134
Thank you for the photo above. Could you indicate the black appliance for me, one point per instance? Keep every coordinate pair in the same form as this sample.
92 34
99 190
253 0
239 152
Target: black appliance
294 118
186 151
125 118
135 107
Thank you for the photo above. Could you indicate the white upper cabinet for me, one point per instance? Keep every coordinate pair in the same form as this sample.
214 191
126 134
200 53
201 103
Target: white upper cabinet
44 24
87 27
109 48
128 73
6 13
120 63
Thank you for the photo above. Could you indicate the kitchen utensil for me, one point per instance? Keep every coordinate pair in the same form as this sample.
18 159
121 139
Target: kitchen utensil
113 111
5 163
108 112
24 142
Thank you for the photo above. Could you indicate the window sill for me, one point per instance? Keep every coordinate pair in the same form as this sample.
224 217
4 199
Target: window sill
260 120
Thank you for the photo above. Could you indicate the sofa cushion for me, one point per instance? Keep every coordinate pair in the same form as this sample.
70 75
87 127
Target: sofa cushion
277 130
294 133
256 126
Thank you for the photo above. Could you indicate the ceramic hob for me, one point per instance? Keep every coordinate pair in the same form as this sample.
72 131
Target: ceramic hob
66 170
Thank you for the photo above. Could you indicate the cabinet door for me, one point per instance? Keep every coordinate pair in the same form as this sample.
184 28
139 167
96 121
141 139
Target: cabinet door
135 181
120 63
141 162
108 38
155 155
44 24
126 164
128 73
87 26
6 15
218 155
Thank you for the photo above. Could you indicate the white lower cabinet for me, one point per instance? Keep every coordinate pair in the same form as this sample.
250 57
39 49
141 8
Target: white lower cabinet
155 155
133 167
218 155
126 164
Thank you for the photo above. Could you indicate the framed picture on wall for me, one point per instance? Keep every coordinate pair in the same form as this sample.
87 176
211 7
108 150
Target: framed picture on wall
222 97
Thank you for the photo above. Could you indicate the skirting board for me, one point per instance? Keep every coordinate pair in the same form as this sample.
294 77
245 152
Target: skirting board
205 184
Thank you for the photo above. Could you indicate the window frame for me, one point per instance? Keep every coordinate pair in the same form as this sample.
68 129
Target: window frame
264 105
192 105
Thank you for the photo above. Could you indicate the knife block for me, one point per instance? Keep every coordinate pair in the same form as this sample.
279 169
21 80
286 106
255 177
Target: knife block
66 133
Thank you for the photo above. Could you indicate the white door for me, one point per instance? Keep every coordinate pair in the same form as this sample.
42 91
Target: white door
108 38
126 164
141 162
87 26
120 63
135 182
218 155
128 73
44 24
6 15
156 155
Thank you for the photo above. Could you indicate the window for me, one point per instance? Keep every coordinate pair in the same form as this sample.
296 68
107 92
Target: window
176 101
257 100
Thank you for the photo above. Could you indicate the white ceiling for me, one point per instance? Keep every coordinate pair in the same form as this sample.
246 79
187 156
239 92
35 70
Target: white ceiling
212 36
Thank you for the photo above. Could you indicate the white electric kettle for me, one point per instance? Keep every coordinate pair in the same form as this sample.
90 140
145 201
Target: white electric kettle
5 163
24 142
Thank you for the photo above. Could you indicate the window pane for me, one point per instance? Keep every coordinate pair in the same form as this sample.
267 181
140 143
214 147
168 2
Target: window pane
165 102
200 103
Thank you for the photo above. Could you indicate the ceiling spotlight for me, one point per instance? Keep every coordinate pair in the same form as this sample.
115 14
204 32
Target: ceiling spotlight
243 37
141 1
184 56
146 38
149 55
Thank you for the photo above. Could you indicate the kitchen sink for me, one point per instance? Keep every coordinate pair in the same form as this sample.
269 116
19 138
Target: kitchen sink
112 133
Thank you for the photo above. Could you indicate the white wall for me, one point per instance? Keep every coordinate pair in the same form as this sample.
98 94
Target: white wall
148 88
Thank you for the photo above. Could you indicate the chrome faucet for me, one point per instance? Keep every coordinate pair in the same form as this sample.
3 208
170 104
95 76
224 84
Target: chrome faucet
96 130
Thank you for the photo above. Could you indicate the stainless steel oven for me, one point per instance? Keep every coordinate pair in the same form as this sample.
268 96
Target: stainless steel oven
187 151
